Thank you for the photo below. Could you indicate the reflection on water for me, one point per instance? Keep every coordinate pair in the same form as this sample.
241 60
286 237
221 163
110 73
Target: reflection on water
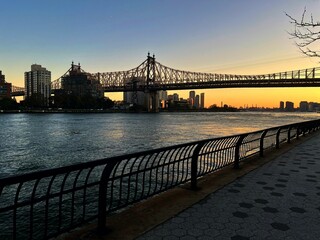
38 141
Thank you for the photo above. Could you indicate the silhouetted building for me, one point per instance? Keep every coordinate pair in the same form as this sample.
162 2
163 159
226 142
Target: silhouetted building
176 97
303 106
313 107
202 100
289 106
5 88
192 96
38 84
197 102
281 107
163 97
79 83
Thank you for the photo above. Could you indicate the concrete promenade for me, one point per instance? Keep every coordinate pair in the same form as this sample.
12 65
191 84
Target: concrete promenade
274 197
279 200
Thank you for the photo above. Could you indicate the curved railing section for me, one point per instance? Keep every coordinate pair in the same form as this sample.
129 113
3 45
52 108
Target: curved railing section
46 203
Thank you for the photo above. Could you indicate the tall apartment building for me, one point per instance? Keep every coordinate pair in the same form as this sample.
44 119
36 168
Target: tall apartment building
281 106
202 100
38 81
289 106
197 102
303 106
5 88
192 96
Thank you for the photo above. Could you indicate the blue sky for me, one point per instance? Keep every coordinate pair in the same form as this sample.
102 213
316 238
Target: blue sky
231 36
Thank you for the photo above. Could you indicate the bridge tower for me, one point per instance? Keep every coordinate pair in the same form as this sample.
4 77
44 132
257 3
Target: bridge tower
152 96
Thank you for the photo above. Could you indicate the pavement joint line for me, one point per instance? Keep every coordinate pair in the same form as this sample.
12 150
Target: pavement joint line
147 214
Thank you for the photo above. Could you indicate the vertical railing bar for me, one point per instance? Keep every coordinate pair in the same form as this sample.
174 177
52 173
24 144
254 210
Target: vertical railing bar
60 200
121 178
152 168
137 173
180 169
194 166
174 153
14 217
185 165
73 193
278 138
156 178
178 158
208 150
31 206
169 155
102 204
47 206
112 183
144 174
262 142
151 156
85 194
219 147
289 135
237 151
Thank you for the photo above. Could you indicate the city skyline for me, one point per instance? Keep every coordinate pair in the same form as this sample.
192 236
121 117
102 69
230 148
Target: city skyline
216 37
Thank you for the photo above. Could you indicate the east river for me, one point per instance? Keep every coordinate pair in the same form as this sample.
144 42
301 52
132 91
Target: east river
30 142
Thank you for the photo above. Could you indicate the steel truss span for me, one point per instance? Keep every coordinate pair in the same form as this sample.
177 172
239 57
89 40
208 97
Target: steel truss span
152 75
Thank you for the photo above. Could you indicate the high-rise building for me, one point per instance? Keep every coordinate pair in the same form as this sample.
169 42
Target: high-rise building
175 97
5 88
202 100
281 107
38 82
192 96
289 106
303 106
197 102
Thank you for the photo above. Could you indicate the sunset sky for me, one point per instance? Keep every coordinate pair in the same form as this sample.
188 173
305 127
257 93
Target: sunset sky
232 36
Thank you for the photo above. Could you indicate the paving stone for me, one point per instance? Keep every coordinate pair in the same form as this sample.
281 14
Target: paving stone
270 209
280 226
245 205
276 194
239 237
268 188
240 214
261 183
262 201
299 194
297 210
282 180
285 174
233 191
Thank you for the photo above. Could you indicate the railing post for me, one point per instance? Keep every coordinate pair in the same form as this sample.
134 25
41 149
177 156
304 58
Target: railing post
298 131
102 204
237 151
261 142
194 165
289 137
278 138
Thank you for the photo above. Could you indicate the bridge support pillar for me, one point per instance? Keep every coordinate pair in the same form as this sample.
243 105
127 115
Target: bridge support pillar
152 101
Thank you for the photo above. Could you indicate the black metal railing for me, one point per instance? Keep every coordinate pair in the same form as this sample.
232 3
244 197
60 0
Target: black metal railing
46 203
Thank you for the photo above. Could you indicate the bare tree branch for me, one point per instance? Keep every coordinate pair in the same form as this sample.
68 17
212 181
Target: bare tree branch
306 34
